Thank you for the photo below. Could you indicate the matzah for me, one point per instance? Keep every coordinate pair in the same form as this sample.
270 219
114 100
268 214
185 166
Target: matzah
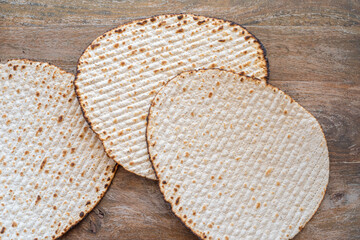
54 169
235 157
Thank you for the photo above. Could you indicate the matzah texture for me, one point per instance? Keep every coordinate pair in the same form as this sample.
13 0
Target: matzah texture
53 168
122 70
236 158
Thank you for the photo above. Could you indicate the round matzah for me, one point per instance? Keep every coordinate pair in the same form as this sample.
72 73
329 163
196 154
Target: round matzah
121 71
54 169
236 158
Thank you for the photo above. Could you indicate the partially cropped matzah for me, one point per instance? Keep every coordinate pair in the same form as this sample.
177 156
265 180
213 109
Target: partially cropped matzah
122 70
53 168
236 158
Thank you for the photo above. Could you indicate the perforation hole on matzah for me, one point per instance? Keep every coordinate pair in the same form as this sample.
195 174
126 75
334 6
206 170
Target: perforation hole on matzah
54 169
236 158
121 71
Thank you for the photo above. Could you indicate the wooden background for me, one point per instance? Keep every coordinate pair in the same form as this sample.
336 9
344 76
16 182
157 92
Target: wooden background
314 53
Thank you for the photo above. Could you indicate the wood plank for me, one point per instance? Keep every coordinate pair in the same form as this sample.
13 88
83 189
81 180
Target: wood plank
282 12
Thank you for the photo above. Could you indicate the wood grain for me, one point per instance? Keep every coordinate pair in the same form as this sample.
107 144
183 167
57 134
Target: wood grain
314 52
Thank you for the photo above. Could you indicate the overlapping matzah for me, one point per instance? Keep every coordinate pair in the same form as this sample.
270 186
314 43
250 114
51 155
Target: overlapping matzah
122 70
53 168
236 158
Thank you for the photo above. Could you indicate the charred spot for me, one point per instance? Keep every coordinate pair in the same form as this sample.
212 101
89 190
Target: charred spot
23 67
177 201
42 165
201 22
81 214
163 182
55 195
39 131
72 164
220 28
72 150
247 37
38 198
87 203
162 23
210 94
152 19
195 18
122 64
14 224
180 30
180 17
3 230
221 40
142 23
119 30
106 185
15 67
60 119
93 46
116 45
10 76
232 24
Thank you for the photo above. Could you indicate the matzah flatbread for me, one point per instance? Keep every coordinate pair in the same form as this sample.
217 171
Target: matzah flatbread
54 169
236 158
121 71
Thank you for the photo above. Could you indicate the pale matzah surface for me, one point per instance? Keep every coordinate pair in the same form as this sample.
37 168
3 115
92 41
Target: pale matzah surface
53 168
236 158
122 70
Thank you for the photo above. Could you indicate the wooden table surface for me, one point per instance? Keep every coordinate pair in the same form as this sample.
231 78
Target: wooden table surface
313 49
